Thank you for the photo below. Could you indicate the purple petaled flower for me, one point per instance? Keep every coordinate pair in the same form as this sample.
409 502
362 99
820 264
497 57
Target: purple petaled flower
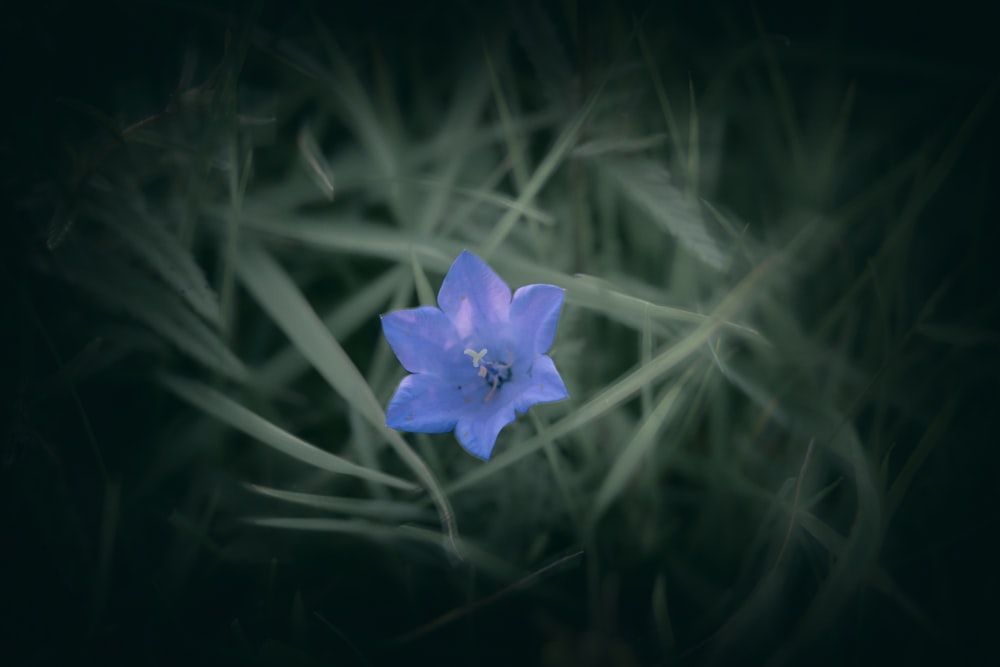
477 360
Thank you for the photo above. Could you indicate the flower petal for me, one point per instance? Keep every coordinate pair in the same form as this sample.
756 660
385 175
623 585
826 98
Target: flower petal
425 404
473 296
424 340
478 434
534 313
543 385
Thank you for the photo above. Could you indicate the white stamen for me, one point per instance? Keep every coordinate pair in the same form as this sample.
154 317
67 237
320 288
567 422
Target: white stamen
476 356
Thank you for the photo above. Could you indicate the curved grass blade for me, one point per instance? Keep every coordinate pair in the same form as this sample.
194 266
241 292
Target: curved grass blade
386 510
275 292
163 253
229 411
638 447
342 321
514 146
628 385
120 287
388 243
931 437
545 170
472 552
425 293
316 163
856 560
647 185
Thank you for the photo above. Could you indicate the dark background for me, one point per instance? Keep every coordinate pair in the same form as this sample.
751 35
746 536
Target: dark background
921 67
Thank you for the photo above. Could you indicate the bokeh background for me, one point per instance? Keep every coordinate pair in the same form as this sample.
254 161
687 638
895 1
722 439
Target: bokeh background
776 229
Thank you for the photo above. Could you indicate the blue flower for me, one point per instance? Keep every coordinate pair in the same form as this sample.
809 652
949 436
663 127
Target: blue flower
477 360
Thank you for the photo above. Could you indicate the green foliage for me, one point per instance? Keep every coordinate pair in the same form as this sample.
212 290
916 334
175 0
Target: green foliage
744 426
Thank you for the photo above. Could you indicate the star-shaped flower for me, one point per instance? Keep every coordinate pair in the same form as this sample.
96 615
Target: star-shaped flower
478 359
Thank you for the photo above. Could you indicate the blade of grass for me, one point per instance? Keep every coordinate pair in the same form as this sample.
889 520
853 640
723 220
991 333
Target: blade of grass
645 356
474 554
540 39
366 449
542 174
956 335
693 167
637 449
558 469
163 253
120 287
484 195
468 100
275 292
388 243
514 150
923 449
455 614
317 166
385 510
661 613
425 294
661 96
783 96
925 188
343 320
239 176
230 412
110 515
647 185
360 113
602 146
879 579
857 559
627 385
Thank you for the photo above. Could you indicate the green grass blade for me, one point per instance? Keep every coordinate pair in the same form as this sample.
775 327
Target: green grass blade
347 526
694 155
360 307
514 149
617 145
923 449
388 243
457 126
425 293
857 558
110 517
230 412
275 292
164 254
661 95
385 510
359 112
542 174
647 185
645 356
120 287
661 613
879 579
782 95
446 185
474 554
626 386
637 449
317 166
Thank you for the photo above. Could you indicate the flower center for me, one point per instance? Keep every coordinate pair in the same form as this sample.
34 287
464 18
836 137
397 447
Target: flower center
493 372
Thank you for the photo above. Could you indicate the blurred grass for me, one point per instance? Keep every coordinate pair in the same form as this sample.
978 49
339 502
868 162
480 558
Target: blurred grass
763 363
